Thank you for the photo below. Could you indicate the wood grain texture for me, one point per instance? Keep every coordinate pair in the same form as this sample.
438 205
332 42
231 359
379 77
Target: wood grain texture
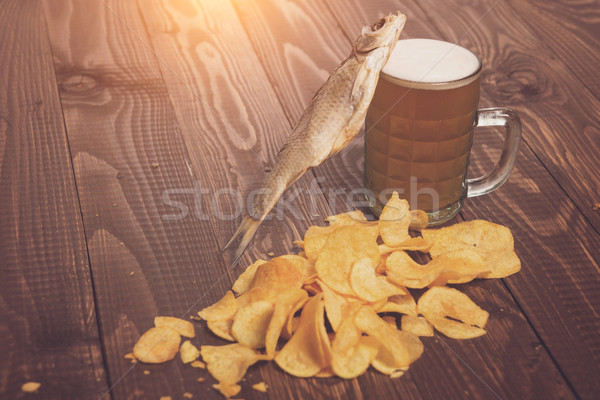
48 326
230 119
571 30
127 154
511 338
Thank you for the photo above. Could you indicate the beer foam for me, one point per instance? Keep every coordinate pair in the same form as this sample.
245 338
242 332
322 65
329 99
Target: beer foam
430 61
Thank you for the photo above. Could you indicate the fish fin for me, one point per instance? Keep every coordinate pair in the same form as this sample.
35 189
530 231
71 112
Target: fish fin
246 230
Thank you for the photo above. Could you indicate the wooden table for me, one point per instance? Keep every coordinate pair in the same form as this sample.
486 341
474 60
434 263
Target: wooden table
123 125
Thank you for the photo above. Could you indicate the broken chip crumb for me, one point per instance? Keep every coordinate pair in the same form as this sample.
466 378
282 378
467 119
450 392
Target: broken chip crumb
30 387
201 379
187 395
155 165
129 356
260 387
227 389
396 374
596 206
165 397
146 372
131 273
188 352
198 364
270 254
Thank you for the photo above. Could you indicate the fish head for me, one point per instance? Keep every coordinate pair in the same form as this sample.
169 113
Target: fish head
382 34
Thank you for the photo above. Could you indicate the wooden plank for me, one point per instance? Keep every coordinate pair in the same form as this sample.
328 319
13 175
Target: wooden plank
147 259
475 365
557 242
230 119
571 30
48 329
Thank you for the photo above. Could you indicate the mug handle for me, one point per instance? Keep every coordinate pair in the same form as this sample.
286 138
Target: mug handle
497 116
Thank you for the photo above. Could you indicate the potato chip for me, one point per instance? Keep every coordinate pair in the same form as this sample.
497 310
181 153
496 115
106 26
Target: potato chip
349 218
250 324
441 301
182 327
277 275
460 266
255 294
333 305
394 221
418 220
444 301
314 240
223 309
290 327
366 284
416 325
344 246
352 353
260 387
455 329
157 345
242 283
306 268
493 242
221 328
376 305
226 389
402 269
188 352
483 235
404 304
313 287
286 306
412 244
398 349
229 363
309 349
502 263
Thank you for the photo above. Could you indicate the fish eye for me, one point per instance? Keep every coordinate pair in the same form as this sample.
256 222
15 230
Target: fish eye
377 25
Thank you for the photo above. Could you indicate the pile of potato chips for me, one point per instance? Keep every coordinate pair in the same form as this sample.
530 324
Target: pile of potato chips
319 313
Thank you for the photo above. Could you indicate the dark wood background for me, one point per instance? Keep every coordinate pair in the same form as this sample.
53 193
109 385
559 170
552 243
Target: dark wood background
110 111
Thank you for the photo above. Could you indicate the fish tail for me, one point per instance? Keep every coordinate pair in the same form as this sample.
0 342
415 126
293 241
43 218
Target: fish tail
246 231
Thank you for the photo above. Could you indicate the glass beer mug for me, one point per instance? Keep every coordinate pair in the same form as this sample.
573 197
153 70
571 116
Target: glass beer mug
419 130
